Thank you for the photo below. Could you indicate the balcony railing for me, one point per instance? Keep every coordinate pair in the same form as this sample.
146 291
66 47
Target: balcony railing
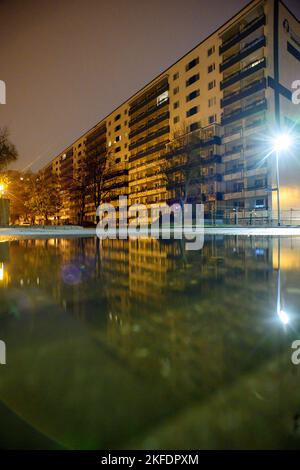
244 73
247 50
148 138
148 112
243 112
243 33
254 87
150 123
149 151
154 94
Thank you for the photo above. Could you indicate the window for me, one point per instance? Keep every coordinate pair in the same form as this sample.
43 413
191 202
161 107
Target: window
211 51
117 149
176 90
212 119
79 146
211 68
125 112
212 102
192 79
194 126
192 95
79 153
212 84
176 105
117 160
176 76
118 116
259 203
117 128
192 111
176 119
162 98
192 64
118 138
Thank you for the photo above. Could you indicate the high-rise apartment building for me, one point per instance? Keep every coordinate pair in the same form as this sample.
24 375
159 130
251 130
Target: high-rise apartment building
233 92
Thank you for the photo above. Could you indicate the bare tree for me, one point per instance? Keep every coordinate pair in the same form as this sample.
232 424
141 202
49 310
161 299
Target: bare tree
97 169
44 197
182 166
8 152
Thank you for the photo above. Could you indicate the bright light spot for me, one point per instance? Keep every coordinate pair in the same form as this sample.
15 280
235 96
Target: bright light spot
283 316
282 142
1 272
2 187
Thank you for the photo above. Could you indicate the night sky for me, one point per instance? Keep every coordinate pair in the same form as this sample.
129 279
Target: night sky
68 63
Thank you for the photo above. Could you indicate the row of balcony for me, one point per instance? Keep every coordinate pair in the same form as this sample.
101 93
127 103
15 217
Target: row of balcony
253 46
96 135
152 122
149 97
244 73
153 135
148 112
249 90
245 111
243 33
155 148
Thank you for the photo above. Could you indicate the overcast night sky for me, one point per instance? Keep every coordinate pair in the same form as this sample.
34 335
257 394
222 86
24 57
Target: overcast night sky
68 63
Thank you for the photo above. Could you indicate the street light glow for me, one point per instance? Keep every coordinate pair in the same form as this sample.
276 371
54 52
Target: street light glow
282 142
283 316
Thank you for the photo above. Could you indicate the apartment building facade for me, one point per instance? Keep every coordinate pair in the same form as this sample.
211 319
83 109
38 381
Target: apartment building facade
233 92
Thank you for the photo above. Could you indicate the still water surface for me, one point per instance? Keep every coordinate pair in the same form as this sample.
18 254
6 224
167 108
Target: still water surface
141 344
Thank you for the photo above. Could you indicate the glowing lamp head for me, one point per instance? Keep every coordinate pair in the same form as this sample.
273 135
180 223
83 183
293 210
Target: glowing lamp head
283 316
282 142
2 188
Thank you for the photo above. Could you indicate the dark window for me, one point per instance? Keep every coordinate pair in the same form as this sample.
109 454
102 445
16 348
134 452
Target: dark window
192 95
117 149
194 126
192 64
117 128
211 67
118 116
211 51
117 160
212 119
192 79
192 111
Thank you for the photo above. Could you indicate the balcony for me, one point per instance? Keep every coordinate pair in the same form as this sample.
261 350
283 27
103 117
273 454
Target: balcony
148 138
148 98
243 112
244 73
150 123
218 177
243 33
148 112
243 53
120 184
254 87
149 151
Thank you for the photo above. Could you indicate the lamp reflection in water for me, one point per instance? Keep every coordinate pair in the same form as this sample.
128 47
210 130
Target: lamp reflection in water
1 271
282 315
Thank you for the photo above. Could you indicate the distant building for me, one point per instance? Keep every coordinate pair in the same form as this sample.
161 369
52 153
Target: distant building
233 90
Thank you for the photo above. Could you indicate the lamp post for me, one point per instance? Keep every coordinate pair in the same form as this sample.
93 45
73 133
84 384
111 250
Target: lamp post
280 144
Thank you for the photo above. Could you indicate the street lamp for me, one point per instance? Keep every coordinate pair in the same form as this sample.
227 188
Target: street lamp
281 143
2 189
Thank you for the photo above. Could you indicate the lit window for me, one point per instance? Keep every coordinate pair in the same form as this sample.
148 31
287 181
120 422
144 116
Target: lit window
162 98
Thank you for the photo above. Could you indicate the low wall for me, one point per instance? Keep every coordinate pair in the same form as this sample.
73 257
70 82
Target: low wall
4 211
